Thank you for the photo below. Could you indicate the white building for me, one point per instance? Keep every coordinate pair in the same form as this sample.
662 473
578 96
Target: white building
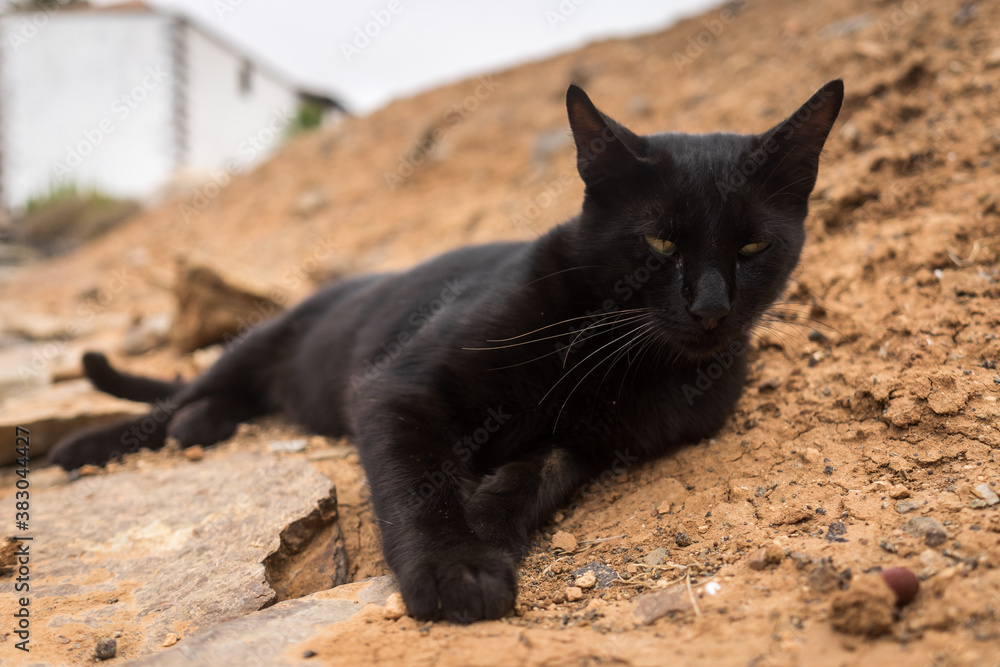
124 98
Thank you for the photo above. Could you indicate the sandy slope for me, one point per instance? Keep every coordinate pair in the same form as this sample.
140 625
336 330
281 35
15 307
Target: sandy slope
897 395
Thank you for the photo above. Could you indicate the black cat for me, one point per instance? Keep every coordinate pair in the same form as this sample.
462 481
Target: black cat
486 385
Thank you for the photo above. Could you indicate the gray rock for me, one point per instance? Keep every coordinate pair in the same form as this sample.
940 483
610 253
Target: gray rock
928 528
264 637
288 446
652 606
906 506
183 548
655 557
107 648
987 494
605 575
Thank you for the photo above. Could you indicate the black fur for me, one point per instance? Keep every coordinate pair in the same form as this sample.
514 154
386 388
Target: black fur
486 385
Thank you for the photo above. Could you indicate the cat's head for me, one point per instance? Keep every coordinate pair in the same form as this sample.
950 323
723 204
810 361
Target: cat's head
702 229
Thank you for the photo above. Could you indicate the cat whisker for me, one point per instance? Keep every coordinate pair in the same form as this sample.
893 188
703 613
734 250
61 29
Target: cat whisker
812 321
571 319
595 367
780 335
523 363
797 326
554 273
577 365
600 323
648 341
809 323
816 298
612 324
566 351
645 336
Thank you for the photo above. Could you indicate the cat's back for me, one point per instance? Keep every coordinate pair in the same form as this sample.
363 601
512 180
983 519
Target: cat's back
448 285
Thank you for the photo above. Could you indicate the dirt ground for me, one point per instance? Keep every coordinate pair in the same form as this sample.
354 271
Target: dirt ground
874 393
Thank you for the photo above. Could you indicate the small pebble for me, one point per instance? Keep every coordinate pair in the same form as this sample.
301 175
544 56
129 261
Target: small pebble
810 455
289 446
564 541
655 557
652 606
986 493
309 654
395 608
107 648
928 528
586 580
905 506
903 583
574 593
886 545
194 453
801 560
772 554
898 492
836 529
935 538
683 540
170 639
713 587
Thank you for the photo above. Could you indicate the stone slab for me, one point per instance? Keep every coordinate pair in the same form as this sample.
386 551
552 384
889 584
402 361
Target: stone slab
160 551
264 637
51 412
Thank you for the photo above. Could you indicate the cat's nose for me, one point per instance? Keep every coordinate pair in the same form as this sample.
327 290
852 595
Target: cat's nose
711 299
710 314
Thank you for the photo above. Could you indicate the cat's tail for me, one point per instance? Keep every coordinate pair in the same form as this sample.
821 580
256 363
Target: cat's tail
203 411
106 378
98 444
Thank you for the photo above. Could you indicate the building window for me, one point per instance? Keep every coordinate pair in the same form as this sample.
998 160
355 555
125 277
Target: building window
246 77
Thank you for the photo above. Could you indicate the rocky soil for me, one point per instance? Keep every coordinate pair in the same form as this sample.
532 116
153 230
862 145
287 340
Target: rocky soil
867 438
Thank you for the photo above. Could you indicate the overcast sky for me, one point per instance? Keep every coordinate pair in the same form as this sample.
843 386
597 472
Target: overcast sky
423 43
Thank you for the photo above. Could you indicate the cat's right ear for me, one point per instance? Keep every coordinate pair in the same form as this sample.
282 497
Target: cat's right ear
798 141
604 148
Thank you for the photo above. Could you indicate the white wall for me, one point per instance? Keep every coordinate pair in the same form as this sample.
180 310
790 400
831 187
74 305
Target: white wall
86 99
228 127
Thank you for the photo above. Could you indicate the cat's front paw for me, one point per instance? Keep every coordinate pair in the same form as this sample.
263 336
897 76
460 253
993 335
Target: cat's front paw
467 584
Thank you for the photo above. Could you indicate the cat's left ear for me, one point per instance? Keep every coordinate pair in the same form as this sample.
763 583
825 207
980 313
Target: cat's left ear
604 148
798 140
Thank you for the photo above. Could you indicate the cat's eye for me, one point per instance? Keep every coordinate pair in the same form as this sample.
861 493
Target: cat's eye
751 249
661 246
